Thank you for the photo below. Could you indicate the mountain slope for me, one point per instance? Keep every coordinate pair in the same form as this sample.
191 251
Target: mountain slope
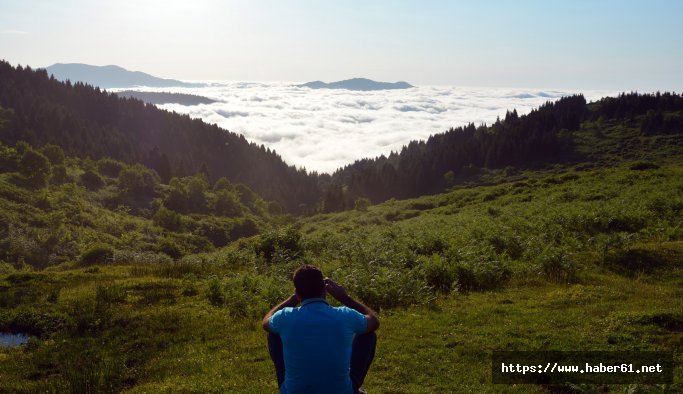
550 135
109 76
87 122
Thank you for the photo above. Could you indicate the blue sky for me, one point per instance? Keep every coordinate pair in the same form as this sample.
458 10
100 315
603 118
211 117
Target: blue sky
580 44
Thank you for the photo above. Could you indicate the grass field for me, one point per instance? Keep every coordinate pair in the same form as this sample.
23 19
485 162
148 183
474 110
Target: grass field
573 257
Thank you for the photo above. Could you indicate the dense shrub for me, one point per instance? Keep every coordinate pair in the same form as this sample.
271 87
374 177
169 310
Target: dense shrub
170 248
138 181
361 204
214 291
227 203
438 273
480 268
426 244
168 219
54 153
246 227
196 193
92 180
110 167
59 175
35 168
643 165
283 243
216 230
386 287
557 265
97 254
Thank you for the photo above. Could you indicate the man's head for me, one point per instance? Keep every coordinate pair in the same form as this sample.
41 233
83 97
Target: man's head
309 282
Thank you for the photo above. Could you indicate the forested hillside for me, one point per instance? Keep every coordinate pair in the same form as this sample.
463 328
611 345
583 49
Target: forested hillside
87 122
544 136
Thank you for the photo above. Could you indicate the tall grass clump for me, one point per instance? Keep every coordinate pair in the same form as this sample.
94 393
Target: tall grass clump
557 265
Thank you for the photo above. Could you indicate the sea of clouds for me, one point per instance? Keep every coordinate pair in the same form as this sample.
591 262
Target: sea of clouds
324 129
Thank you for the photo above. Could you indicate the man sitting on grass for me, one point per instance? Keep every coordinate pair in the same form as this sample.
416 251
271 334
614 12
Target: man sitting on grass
317 348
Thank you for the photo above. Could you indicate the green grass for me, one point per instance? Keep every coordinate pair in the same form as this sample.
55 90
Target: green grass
558 258
180 343
157 327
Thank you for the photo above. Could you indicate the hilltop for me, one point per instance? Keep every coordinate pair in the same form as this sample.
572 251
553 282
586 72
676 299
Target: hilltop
363 84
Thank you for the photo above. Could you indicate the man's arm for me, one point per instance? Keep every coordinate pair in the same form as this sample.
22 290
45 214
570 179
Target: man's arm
292 301
338 292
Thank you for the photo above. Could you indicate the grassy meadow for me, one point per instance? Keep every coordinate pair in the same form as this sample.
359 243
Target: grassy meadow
579 256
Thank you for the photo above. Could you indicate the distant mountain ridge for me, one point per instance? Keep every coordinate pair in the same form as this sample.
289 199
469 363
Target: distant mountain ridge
362 84
111 76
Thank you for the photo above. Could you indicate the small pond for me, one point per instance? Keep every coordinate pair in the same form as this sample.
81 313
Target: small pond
12 340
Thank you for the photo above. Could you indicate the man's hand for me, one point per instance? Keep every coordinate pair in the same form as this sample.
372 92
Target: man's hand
335 290
338 292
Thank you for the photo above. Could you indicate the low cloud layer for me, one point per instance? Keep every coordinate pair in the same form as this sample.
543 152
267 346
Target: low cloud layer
325 129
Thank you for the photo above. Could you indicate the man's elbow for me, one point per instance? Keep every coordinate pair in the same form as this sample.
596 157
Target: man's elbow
265 324
373 323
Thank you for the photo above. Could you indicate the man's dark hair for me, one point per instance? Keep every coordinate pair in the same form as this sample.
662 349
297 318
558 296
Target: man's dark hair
308 282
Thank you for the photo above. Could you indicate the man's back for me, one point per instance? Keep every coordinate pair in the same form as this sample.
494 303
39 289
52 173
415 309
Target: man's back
317 341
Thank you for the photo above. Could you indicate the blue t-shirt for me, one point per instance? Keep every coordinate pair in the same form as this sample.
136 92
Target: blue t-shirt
316 341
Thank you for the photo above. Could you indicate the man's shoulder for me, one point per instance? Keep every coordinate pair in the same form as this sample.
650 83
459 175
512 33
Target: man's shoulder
287 309
284 312
346 311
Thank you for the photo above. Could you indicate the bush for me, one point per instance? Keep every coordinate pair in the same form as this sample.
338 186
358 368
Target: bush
387 287
214 291
216 230
59 175
361 204
643 165
283 243
109 167
557 266
426 244
245 228
196 193
92 180
54 153
227 203
480 269
138 181
438 273
168 219
169 248
35 168
98 254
